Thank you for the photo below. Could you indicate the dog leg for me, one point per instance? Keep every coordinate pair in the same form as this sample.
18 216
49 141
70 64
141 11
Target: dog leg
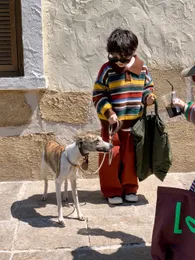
59 201
44 168
75 198
65 195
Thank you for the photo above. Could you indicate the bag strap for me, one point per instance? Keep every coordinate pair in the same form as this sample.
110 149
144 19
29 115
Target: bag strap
155 108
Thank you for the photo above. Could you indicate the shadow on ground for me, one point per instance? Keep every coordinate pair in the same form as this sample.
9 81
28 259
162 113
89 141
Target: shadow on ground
132 247
25 210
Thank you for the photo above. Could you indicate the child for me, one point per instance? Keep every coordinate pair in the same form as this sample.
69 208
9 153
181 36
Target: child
188 109
122 86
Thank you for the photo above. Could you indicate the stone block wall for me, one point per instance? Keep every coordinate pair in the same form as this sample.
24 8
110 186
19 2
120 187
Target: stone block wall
28 119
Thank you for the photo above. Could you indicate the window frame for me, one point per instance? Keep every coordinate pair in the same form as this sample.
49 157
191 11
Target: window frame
32 40
17 66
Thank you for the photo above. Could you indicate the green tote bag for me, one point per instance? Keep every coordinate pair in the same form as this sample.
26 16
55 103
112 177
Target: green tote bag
152 146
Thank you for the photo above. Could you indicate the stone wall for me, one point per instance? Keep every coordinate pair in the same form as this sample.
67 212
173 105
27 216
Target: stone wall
28 119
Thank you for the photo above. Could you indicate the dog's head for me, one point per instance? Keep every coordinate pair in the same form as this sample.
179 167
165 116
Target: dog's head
92 143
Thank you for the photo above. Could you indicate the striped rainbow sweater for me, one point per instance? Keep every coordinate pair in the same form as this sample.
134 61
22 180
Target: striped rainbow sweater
192 187
122 93
189 111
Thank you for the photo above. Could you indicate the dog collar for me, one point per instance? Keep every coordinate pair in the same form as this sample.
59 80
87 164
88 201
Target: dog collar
83 166
81 149
75 165
85 163
85 158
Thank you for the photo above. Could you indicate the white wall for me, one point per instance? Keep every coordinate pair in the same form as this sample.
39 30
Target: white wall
76 32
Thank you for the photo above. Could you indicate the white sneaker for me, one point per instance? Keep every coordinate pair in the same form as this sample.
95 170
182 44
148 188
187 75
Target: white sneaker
115 200
131 197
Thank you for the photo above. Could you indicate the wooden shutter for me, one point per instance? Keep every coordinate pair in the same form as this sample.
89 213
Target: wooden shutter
10 38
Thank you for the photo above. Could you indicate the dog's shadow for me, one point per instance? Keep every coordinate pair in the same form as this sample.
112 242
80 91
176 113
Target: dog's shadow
26 210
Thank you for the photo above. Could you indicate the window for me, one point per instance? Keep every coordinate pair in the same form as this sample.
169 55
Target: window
22 55
11 51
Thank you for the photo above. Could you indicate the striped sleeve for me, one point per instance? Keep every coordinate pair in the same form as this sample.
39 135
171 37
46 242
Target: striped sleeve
189 112
148 85
100 94
192 187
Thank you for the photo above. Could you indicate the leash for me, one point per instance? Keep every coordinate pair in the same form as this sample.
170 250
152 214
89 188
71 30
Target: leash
111 134
79 166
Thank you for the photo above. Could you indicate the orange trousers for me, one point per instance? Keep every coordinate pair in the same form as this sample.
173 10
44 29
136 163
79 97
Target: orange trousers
119 178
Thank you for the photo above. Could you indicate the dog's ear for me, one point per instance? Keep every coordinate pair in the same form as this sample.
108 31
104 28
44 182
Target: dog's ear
89 135
79 137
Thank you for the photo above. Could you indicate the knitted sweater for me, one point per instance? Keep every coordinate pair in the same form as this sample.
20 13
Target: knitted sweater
192 187
122 92
189 111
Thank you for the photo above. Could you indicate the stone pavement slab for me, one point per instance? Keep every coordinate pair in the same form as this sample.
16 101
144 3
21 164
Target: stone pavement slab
136 253
38 235
29 228
8 194
7 231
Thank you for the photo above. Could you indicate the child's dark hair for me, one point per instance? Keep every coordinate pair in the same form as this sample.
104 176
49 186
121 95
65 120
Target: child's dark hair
122 42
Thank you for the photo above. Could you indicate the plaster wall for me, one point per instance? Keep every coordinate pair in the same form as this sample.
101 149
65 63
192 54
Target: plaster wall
77 30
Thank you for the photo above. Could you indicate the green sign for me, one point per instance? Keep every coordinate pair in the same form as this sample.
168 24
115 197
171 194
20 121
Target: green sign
188 220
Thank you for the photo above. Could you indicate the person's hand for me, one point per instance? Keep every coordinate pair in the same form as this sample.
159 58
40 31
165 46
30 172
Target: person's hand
150 99
179 103
113 119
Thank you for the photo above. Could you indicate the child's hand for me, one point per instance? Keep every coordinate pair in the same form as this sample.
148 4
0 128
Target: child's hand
178 102
113 119
150 99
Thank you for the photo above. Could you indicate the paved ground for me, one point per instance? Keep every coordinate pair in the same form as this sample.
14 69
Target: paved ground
28 228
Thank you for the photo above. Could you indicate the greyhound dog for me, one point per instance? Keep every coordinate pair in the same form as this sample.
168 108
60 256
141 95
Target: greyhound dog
64 162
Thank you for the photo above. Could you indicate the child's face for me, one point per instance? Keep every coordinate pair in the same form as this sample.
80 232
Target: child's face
121 61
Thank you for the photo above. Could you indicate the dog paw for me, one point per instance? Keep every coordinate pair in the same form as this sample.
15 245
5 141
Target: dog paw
61 222
81 218
44 198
